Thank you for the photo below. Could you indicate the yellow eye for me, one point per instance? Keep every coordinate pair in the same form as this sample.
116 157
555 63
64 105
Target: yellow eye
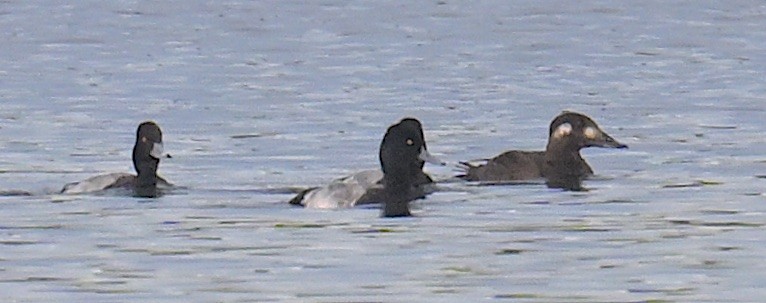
410 142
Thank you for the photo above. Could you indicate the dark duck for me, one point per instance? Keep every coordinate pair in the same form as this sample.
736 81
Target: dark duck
561 164
402 154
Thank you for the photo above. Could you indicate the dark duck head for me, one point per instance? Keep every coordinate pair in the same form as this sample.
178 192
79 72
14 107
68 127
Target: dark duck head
146 158
568 134
403 153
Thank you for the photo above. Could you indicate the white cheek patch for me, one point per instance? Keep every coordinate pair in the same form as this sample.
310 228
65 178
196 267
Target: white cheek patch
591 133
563 130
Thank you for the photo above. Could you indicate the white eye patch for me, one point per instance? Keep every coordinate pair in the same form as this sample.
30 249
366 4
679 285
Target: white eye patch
590 133
563 130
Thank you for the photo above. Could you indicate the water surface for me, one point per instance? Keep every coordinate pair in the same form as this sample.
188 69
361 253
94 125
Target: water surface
258 98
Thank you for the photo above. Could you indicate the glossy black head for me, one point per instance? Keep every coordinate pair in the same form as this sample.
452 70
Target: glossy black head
579 131
402 155
146 158
403 151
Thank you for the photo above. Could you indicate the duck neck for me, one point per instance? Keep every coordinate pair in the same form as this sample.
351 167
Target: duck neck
397 193
146 182
146 185
564 157
564 167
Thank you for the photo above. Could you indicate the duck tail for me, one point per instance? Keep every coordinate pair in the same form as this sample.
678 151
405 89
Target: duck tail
298 199
464 169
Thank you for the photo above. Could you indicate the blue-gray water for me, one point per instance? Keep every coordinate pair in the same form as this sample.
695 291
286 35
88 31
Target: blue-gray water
256 97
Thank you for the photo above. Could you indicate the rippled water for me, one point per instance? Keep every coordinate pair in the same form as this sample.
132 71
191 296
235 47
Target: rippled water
258 98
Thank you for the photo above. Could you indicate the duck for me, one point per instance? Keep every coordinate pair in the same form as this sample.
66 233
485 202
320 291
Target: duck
147 152
369 186
561 164
402 155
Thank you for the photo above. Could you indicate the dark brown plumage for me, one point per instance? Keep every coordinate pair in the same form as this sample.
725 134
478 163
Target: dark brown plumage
560 164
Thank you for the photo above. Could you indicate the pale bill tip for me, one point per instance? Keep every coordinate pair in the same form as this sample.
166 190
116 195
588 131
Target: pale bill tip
428 157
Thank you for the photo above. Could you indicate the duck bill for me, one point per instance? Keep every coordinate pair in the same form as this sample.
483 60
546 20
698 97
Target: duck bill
606 141
428 157
158 150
